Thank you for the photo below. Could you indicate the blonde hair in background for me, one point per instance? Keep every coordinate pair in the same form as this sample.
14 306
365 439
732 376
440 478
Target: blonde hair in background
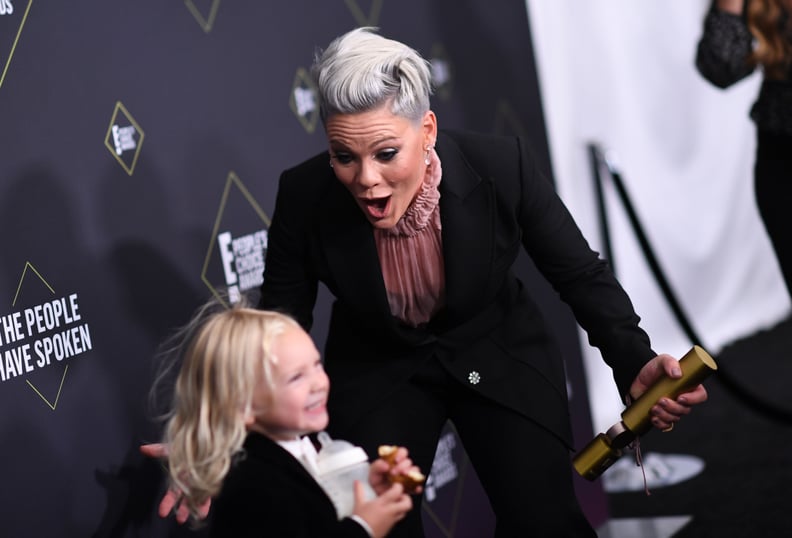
769 22
225 352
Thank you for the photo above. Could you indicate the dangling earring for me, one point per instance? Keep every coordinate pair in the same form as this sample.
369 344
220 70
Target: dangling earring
331 163
427 157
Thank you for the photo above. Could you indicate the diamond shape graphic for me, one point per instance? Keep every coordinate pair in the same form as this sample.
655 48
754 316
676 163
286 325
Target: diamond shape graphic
304 100
451 490
199 7
40 382
236 198
11 23
360 16
442 72
124 138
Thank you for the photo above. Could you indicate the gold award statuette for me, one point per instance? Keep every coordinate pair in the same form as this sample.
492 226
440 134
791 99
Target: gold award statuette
607 447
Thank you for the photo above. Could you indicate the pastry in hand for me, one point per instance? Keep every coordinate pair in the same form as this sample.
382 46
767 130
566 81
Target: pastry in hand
410 480
388 453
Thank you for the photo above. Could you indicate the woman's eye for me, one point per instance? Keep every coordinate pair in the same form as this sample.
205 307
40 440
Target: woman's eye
387 154
343 158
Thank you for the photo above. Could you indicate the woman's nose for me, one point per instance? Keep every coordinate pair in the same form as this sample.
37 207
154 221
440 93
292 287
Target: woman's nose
368 175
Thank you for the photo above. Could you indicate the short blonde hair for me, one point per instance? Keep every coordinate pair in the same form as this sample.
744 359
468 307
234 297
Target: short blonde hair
225 353
361 70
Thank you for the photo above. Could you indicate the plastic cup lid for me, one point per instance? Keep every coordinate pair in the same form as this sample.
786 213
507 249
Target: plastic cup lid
339 460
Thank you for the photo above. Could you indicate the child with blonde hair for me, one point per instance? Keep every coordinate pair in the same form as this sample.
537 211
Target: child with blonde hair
250 386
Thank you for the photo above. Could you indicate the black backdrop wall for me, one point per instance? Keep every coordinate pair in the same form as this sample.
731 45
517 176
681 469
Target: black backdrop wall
140 144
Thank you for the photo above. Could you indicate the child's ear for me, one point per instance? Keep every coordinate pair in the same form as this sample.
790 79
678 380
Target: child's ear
248 417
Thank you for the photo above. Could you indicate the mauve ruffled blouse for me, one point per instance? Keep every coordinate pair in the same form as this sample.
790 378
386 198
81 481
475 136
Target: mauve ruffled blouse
411 254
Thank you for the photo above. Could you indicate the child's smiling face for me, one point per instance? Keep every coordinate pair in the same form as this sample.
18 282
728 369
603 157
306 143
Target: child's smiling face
296 403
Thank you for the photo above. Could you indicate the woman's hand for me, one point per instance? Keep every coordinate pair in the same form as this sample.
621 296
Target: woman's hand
172 500
667 411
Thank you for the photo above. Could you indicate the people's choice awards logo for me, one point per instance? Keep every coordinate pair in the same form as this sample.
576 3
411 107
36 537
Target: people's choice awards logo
204 12
444 468
239 247
243 261
12 20
441 72
124 138
42 335
304 101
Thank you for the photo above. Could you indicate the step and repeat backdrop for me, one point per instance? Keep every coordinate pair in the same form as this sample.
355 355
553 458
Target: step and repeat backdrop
140 146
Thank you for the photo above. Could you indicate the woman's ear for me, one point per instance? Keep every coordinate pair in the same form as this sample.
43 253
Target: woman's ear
429 126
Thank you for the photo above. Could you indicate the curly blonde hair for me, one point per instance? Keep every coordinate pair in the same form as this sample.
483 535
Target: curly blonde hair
769 22
225 354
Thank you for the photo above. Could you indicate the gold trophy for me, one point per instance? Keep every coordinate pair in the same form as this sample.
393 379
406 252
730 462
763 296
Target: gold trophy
607 447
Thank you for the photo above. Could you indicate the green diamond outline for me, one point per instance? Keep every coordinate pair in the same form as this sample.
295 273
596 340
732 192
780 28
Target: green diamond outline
459 485
16 40
445 91
30 266
120 106
360 17
231 179
206 23
309 123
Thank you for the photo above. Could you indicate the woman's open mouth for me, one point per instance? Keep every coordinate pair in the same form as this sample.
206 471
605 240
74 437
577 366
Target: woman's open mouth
376 208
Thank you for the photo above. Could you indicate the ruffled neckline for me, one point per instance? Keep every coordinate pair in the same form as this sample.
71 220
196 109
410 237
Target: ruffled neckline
419 214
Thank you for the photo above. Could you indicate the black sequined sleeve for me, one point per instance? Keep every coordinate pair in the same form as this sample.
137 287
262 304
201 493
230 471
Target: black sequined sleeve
723 48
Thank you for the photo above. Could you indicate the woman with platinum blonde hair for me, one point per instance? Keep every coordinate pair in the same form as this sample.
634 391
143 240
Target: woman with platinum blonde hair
415 232
362 70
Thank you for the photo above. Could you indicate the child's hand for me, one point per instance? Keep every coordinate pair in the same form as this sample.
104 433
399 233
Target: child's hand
385 511
394 466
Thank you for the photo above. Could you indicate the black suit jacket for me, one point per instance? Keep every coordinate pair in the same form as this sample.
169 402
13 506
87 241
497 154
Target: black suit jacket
493 201
270 494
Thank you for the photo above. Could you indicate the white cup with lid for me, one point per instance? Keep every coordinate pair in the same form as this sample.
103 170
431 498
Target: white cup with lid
339 464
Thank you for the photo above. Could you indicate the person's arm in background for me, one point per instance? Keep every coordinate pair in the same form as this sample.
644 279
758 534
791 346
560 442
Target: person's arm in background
725 43
731 6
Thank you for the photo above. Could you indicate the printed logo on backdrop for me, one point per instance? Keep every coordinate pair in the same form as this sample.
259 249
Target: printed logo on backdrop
441 72
369 17
507 121
124 138
238 245
204 12
452 489
304 100
444 468
40 336
12 20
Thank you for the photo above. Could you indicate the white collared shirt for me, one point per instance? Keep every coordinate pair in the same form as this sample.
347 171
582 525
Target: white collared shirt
304 451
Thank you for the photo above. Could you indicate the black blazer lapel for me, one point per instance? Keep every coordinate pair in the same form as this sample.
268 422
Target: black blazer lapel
259 447
466 213
348 242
